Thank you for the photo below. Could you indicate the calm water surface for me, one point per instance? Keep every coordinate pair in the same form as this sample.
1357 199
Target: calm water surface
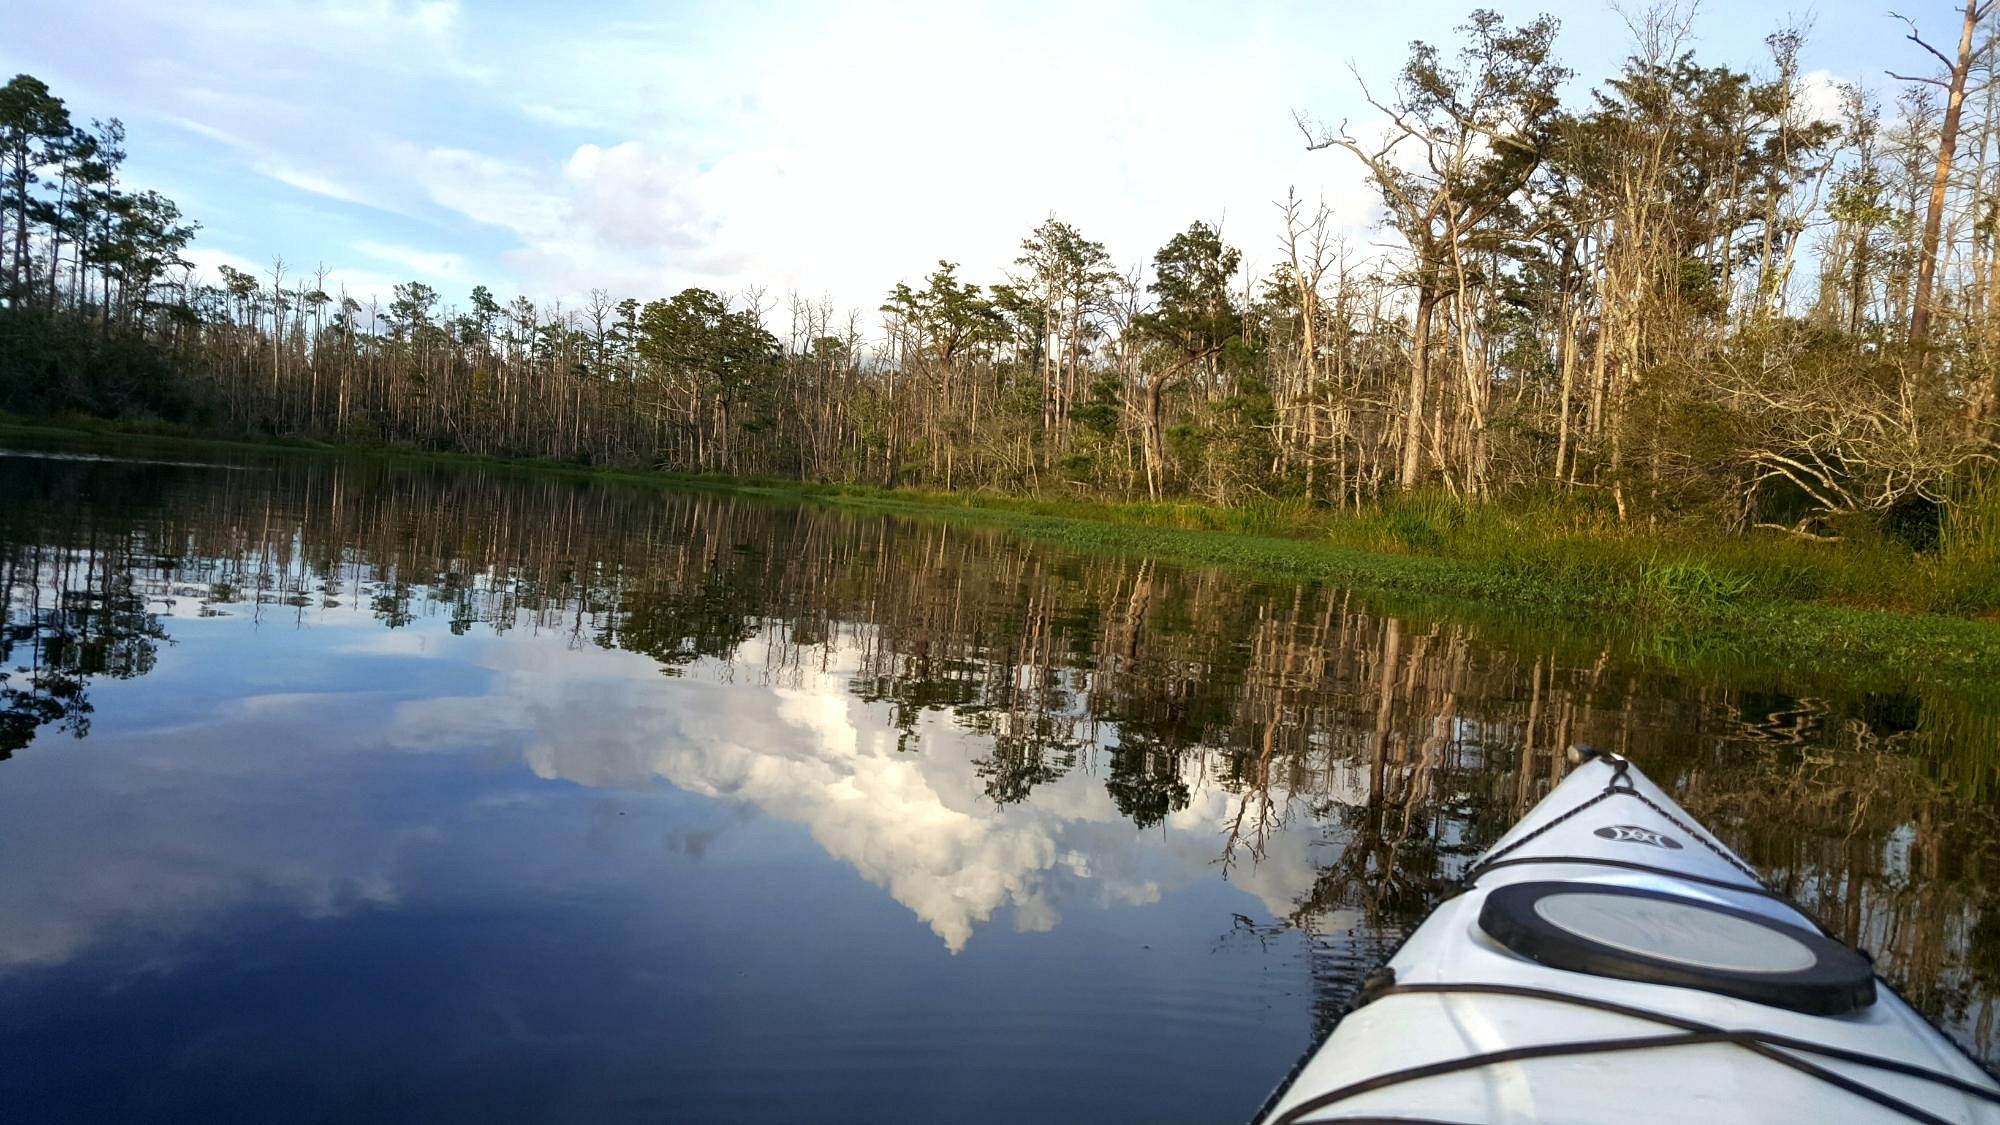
340 792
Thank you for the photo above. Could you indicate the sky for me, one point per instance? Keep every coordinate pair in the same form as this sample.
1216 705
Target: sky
829 150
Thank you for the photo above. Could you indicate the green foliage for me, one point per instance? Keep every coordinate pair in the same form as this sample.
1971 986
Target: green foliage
1689 586
1970 530
1196 315
696 337
1102 412
1418 523
947 319
1964 573
51 365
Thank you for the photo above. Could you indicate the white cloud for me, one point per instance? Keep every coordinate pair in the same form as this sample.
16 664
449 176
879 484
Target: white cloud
1825 95
558 115
361 285
627 217
198 128
792 146
207 262
831 153
427 263
489 190
309 181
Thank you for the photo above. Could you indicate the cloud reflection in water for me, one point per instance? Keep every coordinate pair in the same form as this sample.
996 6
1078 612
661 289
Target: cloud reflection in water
916 821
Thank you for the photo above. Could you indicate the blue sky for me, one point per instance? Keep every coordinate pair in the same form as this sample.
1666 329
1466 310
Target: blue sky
833 150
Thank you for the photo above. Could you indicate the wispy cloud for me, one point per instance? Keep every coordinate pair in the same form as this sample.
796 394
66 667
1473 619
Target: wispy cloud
428 263
309 181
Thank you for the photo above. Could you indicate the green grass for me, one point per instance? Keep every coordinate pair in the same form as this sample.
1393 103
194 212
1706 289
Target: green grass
1678 612
1543 551
1867 609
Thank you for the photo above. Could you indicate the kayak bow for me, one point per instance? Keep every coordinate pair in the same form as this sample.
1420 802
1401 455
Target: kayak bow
1610 961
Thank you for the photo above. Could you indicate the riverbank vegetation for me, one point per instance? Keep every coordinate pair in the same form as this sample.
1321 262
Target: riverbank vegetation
1696 334
1810 612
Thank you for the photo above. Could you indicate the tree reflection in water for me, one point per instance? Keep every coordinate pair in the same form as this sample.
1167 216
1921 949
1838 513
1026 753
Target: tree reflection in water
1403 743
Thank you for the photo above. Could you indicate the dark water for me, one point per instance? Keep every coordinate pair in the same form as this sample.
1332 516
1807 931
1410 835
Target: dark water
342 793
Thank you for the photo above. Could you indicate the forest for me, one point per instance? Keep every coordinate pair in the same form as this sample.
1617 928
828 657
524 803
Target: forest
1690 294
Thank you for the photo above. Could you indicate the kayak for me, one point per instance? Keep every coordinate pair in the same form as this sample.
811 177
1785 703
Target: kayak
1611 961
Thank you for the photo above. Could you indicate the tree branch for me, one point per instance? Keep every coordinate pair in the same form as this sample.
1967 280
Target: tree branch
1918 40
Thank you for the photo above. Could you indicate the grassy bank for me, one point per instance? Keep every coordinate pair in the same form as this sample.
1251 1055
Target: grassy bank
1657 592
1868 608
1543 553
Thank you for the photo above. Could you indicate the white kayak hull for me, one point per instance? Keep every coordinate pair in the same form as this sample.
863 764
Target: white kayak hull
1627 868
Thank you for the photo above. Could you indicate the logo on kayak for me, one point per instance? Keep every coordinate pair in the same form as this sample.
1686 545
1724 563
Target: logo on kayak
1633 834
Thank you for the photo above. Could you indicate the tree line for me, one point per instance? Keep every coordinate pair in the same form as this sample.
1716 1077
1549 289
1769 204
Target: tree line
1693 291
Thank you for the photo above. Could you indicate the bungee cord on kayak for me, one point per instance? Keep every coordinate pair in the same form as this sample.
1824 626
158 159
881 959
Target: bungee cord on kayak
1619 785
1469 881
1769 1045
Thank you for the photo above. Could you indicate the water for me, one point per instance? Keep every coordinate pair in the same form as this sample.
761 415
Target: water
341 792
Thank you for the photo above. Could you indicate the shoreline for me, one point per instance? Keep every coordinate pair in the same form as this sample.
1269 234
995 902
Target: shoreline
1686 626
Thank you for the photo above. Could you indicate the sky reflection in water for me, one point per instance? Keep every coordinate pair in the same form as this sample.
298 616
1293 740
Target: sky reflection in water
660 807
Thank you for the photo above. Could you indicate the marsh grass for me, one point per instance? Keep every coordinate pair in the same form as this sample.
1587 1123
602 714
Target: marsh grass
1537 549
1578 549
1689 586
1964 572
